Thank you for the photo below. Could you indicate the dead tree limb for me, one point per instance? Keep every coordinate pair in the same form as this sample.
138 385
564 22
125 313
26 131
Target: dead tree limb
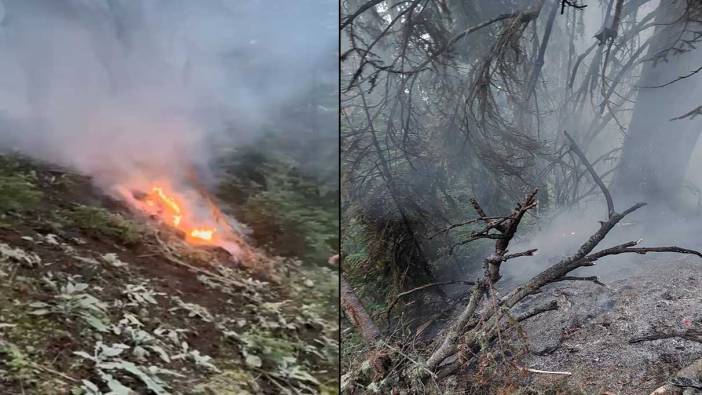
574 147
690 334
356 313
484 326
538 310
518 254
507 229
425 286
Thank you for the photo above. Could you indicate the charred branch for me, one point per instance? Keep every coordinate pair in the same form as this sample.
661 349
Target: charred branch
538 310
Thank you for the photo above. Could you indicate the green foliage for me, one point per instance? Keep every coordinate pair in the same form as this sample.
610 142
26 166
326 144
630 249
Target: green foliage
19 367
297 207
19 193
71 301
264 348
108 362
288 211
99 221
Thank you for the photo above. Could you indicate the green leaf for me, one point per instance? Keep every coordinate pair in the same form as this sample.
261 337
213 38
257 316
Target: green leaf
95 322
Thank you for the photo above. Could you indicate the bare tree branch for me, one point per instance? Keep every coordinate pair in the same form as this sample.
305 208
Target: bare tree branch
596 178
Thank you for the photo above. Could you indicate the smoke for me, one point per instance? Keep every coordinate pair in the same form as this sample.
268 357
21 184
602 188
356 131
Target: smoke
671 218
561 235
136 89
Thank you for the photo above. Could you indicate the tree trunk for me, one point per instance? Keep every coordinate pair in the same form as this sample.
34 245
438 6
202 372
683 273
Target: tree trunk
656 150
356 313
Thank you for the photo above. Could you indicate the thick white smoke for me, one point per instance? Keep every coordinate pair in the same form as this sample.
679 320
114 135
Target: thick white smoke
122 88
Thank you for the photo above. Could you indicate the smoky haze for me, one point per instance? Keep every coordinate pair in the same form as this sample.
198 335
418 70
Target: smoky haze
572 69
128 89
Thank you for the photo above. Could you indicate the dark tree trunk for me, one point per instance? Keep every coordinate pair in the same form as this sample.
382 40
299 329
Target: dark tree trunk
356 313
656 150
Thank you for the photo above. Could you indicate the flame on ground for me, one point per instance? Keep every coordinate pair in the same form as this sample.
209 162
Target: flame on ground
204 234
190 210
168 207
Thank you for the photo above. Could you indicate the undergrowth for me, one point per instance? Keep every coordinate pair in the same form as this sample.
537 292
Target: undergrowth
99 221
289 211
18 191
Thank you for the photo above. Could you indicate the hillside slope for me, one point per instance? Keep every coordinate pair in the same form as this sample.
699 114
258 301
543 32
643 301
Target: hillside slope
95 300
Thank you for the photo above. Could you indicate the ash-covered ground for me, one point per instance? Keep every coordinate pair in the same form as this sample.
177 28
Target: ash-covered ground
596 332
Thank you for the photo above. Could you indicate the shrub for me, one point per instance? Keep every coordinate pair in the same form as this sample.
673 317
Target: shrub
99 221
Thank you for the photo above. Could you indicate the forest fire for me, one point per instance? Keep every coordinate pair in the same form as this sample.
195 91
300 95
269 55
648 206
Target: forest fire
166 206
189 211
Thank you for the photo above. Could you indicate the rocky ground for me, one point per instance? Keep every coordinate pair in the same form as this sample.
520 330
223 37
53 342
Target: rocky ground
94 300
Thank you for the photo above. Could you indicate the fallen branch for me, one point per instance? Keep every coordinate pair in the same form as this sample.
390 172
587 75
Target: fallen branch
593 279
425 286
538 310
546 371
507 229
583 257
356 313
690 334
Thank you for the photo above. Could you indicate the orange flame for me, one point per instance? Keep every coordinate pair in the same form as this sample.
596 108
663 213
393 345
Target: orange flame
204 234
169 208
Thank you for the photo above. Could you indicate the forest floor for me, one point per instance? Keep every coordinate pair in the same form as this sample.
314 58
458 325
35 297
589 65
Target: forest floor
597 331
91 304
629 336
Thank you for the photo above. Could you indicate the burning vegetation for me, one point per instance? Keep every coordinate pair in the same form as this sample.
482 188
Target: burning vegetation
156 292
120 272
194 216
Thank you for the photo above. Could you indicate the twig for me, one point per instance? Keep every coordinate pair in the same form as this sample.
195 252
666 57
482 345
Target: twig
574 147
692 114
518 254
681 77
471 221
691 334
628 248
546 371
401 294
52 371
594 279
